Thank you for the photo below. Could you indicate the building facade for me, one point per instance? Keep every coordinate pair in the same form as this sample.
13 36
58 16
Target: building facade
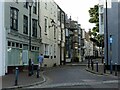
52 19
48 20
2 41
17 25
111 16
30 31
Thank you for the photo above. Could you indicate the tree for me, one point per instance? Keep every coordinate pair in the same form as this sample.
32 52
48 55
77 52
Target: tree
94 33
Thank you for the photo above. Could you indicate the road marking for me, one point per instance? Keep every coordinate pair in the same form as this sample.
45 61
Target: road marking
79 84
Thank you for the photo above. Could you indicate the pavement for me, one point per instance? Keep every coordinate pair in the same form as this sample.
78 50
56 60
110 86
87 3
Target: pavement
8 81
94 71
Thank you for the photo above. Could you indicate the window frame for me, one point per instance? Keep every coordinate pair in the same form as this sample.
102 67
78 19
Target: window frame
25 4
14 18
46 50
35 8
46 25
34 27
25 24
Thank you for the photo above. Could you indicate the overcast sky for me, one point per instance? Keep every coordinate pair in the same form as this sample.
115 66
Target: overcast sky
78 10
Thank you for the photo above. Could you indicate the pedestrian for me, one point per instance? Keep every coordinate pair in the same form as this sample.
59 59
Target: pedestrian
40 61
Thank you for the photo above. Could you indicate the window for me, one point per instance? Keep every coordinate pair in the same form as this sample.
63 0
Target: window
17 45
54 50
45 25
50 48
25 4
58 15
51 10
14 18
45 5
20 45
34 27
54 33
62 17
101 9
9 43
32 47
54 14
25 24
35 8
13 44
38 48
46 50
102 19
35 48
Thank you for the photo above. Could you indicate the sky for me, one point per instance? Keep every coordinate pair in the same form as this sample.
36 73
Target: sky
78 10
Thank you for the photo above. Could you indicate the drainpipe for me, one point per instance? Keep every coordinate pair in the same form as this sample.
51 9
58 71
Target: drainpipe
39 18
65 39
60 41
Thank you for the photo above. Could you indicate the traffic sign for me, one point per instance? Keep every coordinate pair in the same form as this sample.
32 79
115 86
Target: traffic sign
111 40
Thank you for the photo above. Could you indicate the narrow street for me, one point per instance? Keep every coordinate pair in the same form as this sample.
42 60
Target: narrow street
76 77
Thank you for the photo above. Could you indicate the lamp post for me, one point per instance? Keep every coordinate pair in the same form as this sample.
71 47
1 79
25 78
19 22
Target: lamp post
106 35
30 5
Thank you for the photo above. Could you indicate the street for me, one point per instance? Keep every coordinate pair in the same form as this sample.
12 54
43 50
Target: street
76 77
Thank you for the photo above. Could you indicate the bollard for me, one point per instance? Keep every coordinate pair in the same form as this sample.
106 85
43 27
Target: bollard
88 63
92 65
91 62
104 68
111 68
29 68
96 66
16 76
32 71
38 72
102 59
115 69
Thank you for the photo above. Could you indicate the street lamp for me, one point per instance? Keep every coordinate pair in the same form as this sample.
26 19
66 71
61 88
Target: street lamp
30 5
53 23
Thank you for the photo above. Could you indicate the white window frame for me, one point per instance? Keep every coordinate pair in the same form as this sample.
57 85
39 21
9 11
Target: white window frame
46 49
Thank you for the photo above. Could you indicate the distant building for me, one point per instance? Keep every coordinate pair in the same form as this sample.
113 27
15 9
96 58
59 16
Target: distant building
83 44
73 39
88 46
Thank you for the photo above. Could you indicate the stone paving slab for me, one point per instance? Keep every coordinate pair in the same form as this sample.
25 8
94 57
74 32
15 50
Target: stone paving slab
8 81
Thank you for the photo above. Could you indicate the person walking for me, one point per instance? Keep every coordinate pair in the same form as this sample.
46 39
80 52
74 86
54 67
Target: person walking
40 61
